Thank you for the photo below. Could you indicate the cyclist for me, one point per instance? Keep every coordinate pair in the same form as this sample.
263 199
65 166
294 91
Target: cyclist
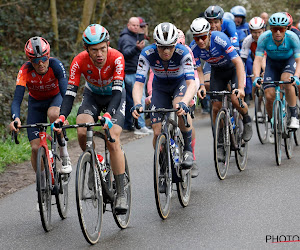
173 83
214 15
283 52
46 81
181 39
226 65
103 70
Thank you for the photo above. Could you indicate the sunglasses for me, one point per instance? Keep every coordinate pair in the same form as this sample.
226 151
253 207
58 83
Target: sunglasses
37 59
203 37
276 28
162 47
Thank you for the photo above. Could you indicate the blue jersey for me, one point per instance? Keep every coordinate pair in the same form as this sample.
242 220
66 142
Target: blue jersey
290 46
178 68
229 28
242 31
220 53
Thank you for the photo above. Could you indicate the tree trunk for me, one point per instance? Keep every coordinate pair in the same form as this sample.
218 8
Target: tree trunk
54 25
101 11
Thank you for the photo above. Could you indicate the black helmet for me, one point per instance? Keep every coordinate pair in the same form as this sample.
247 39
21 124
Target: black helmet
214 12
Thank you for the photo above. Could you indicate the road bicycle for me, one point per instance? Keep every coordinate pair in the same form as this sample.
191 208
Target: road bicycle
95 186
228 133
279 121
168 156
48 179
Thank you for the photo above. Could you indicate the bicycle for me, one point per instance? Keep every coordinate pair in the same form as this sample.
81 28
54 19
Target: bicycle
167 161
52 182
279 121
228 132
96 188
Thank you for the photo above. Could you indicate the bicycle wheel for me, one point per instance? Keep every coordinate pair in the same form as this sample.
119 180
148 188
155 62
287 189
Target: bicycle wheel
184 186
89 198
241 155
221 145
277 124
122 220
296 132
62 195
162 177
261 119
43 187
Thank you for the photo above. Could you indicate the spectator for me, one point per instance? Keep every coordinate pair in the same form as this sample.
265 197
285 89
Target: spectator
131 48
144 30
265 17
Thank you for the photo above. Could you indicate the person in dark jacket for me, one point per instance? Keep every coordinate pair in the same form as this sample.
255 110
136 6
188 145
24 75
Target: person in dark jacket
130 46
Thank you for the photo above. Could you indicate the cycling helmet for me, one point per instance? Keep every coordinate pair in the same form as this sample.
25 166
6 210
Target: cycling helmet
165 34
37 47
181 37
199 25
238 11
278 19
228 15
256 23
214 12
94 34
289 16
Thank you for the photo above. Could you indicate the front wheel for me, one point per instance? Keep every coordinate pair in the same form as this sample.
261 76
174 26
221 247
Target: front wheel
89 198
277 125
43 187
122 220
221 145
162 177
62 195
241 155
261 119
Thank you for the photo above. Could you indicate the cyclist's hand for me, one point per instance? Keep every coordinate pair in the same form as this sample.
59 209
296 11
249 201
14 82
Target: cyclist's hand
108 123
134 110
12 126
256 81
148 99
183 108
61 120
240 93
201 92
295 80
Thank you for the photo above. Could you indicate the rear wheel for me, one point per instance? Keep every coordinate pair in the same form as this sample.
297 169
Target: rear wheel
277 125
43 187
122 220
162 177
261 118
89 198
241 155
221 145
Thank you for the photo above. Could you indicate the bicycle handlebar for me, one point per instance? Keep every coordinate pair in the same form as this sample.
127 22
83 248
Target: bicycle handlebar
277 83
226 92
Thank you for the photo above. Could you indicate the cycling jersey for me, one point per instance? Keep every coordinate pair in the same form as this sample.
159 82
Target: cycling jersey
220 53
105 81
179 67
290 46
40 87
242 31
248 45
229 28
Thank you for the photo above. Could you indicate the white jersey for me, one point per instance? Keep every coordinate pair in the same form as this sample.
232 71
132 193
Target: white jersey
244 53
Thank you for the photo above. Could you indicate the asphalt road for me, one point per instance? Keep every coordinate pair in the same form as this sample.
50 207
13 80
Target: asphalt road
244 211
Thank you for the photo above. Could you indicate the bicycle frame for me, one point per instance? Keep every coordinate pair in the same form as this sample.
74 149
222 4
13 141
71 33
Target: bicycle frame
282 103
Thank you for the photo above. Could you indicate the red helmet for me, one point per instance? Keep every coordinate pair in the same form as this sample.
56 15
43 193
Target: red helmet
37 47
290 18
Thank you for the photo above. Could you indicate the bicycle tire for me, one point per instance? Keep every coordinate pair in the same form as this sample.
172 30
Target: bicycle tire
122 220
44 189
241 155
296 132
184 186
163 175
61 196
221 165
89 201
277 125
261 122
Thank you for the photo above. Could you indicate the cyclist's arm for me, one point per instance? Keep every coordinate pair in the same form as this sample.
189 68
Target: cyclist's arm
297 71
60 74
16 103
117 87
190 91
240 72
257 65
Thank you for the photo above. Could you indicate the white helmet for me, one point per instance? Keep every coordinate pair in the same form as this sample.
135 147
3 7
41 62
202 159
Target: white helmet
256 23
165 34
200 25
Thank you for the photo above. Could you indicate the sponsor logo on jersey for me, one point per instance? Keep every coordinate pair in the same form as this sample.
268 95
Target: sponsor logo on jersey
215 59
179 51
73 69
220 41
229 50
119 65
149 51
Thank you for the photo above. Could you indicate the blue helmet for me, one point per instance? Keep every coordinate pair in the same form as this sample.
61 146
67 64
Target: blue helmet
94 34
279 19
228 15
238 11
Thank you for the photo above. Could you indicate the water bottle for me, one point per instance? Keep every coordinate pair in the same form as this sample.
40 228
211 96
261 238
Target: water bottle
232 122
51 156
101 163
174 150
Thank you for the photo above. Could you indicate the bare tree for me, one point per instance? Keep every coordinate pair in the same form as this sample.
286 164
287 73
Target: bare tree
54 24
